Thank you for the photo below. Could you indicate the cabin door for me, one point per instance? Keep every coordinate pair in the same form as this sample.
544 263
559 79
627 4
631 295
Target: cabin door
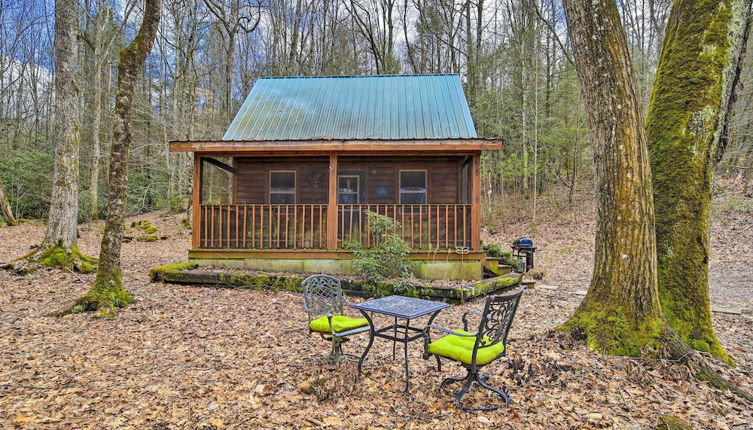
350 191
350 187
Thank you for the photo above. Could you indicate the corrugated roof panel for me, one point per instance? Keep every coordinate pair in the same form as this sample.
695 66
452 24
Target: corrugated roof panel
354 107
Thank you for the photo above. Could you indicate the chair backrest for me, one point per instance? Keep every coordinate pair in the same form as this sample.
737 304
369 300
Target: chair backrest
496 319
322 294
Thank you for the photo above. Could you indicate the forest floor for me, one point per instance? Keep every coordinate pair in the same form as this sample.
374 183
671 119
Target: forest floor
193 357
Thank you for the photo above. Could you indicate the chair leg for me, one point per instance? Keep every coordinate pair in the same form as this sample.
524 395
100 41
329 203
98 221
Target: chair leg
451 379
469 379
467 386
481 380
337 355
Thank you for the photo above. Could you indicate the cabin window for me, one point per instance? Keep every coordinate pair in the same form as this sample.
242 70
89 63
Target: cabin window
282 187
413 187
348 189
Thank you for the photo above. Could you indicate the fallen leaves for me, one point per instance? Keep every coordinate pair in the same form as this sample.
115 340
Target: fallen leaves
187 357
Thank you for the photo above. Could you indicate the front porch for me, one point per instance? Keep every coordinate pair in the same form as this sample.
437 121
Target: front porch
247 202
299 213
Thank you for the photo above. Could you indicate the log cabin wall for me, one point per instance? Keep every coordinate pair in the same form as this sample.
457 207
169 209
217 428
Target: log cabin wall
252 182
382 177
447 178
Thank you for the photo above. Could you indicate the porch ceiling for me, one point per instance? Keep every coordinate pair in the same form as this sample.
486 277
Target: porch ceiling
337 146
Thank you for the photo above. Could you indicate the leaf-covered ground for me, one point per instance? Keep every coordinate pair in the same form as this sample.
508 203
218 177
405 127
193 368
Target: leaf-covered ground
190 357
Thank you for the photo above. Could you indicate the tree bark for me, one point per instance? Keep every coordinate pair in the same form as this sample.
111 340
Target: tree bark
621 313
58 249
108 292
5 208
684 127
63 214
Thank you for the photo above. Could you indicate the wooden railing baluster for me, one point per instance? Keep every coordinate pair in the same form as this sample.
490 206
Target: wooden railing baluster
435 226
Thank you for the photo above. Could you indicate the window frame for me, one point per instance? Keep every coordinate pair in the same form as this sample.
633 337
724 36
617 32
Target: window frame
425 191
294 192
357 192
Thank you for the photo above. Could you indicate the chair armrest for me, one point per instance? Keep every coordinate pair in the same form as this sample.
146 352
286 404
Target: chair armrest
446 330
465 320
347 302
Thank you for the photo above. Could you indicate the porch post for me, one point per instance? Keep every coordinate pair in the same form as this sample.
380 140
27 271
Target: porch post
196 200
332 204
476 202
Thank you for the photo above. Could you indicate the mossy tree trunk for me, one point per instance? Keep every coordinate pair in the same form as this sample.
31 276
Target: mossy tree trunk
683 127
108 293
58 249
621 312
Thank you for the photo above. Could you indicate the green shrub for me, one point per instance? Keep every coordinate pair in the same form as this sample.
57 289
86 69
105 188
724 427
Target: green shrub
388 258
505 257
177 204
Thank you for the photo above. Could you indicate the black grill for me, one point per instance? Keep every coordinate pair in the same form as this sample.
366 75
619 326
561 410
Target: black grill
523 249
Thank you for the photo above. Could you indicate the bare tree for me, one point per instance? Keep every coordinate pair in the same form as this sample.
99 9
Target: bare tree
375 21
58 249
108 293
232 16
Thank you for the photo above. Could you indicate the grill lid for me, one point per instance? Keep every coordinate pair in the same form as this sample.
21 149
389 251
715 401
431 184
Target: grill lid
523 243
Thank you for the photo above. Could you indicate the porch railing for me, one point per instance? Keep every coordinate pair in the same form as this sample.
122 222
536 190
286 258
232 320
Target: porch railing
263 226
434 226
422 226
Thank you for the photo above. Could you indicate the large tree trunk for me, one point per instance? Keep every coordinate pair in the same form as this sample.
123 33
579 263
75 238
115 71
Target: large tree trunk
58 249
5 208
108 292
683 129
63 215
621 312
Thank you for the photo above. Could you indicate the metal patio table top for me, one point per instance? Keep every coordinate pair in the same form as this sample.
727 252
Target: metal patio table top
406 308
401 307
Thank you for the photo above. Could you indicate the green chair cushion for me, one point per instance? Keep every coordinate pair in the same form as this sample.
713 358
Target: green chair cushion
460 348
339 322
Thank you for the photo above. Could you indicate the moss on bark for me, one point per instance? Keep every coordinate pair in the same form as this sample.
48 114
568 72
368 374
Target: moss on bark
613 329
682 132
56 256
104 298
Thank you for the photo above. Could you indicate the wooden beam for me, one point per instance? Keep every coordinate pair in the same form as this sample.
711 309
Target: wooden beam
221 165
315 254
476 202
323 145
196 200
332 204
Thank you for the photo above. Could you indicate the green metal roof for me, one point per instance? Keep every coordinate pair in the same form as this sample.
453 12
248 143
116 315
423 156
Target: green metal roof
354 107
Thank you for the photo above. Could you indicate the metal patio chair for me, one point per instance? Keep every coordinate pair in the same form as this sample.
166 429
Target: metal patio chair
323 301
475 350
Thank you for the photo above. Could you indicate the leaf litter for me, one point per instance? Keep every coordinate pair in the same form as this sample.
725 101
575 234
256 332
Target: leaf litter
205 358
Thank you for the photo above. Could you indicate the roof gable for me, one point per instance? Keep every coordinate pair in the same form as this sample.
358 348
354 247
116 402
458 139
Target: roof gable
354 107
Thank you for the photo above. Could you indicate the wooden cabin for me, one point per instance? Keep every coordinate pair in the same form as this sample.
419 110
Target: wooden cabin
306 158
